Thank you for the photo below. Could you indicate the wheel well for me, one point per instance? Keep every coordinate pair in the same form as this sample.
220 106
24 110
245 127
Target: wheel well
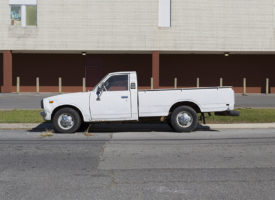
185 103
67 106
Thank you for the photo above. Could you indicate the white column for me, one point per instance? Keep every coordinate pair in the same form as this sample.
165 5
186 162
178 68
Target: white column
23 15
60 85
198 82
17 84
37 84
221 82
244 86
84 84
267 86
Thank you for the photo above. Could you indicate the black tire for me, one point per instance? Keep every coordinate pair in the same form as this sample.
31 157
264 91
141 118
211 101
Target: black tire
170 124
70 113
187 124
84 126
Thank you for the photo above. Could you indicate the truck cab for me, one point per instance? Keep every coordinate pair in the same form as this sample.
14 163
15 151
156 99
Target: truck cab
115 98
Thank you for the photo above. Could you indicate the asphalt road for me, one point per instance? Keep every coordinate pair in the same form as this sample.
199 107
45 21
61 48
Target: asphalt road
32 100
208 165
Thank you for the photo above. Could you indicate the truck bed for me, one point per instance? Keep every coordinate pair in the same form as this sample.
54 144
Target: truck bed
158 102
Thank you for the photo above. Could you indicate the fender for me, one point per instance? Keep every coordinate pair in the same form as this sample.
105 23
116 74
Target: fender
185 102
83 116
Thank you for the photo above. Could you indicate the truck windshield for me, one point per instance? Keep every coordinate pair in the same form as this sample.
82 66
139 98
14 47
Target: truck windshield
95 88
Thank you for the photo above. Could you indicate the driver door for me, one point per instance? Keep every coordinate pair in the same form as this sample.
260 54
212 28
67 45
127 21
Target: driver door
114 101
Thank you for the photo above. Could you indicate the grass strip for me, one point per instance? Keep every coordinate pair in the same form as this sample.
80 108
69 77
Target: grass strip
247 115
20 116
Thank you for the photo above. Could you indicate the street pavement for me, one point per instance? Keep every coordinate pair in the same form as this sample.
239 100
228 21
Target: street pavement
32 100
11 101
138 164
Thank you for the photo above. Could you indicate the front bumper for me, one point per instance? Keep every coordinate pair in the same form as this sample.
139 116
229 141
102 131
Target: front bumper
46 116
42 104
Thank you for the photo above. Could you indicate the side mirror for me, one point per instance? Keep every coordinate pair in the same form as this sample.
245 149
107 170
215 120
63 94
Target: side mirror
99 91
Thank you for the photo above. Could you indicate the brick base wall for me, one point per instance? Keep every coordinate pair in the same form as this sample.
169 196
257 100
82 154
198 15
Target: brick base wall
209 68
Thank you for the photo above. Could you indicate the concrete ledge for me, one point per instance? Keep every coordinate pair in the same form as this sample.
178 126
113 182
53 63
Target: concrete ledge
242 126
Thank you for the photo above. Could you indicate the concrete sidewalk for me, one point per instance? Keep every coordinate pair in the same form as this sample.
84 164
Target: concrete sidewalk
134 127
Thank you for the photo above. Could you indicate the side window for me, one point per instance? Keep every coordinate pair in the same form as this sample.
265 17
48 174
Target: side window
117 83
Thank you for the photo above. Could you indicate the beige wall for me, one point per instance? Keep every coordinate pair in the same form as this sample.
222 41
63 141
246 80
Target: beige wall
197 25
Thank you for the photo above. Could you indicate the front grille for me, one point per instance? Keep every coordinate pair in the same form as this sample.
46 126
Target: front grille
41 104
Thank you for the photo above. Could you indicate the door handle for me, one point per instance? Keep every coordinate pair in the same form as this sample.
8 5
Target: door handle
124 97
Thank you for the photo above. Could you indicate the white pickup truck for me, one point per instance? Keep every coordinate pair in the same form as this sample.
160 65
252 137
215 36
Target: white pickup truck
117 98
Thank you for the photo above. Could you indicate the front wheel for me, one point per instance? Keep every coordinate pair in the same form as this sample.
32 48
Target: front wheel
66 120
184 119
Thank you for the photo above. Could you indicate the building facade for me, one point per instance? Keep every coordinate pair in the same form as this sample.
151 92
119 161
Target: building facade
162 39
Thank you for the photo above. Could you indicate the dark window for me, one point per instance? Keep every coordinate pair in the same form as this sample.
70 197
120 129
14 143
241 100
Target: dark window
15 15
117 83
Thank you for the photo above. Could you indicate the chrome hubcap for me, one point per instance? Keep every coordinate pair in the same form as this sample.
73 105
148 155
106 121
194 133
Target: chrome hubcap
184 119
65 121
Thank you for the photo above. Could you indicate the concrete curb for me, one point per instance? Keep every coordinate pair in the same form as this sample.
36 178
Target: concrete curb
30 126
242 126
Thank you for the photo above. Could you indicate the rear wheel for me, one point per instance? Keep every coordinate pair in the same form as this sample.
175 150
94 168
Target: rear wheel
66 120
184 119
170 124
